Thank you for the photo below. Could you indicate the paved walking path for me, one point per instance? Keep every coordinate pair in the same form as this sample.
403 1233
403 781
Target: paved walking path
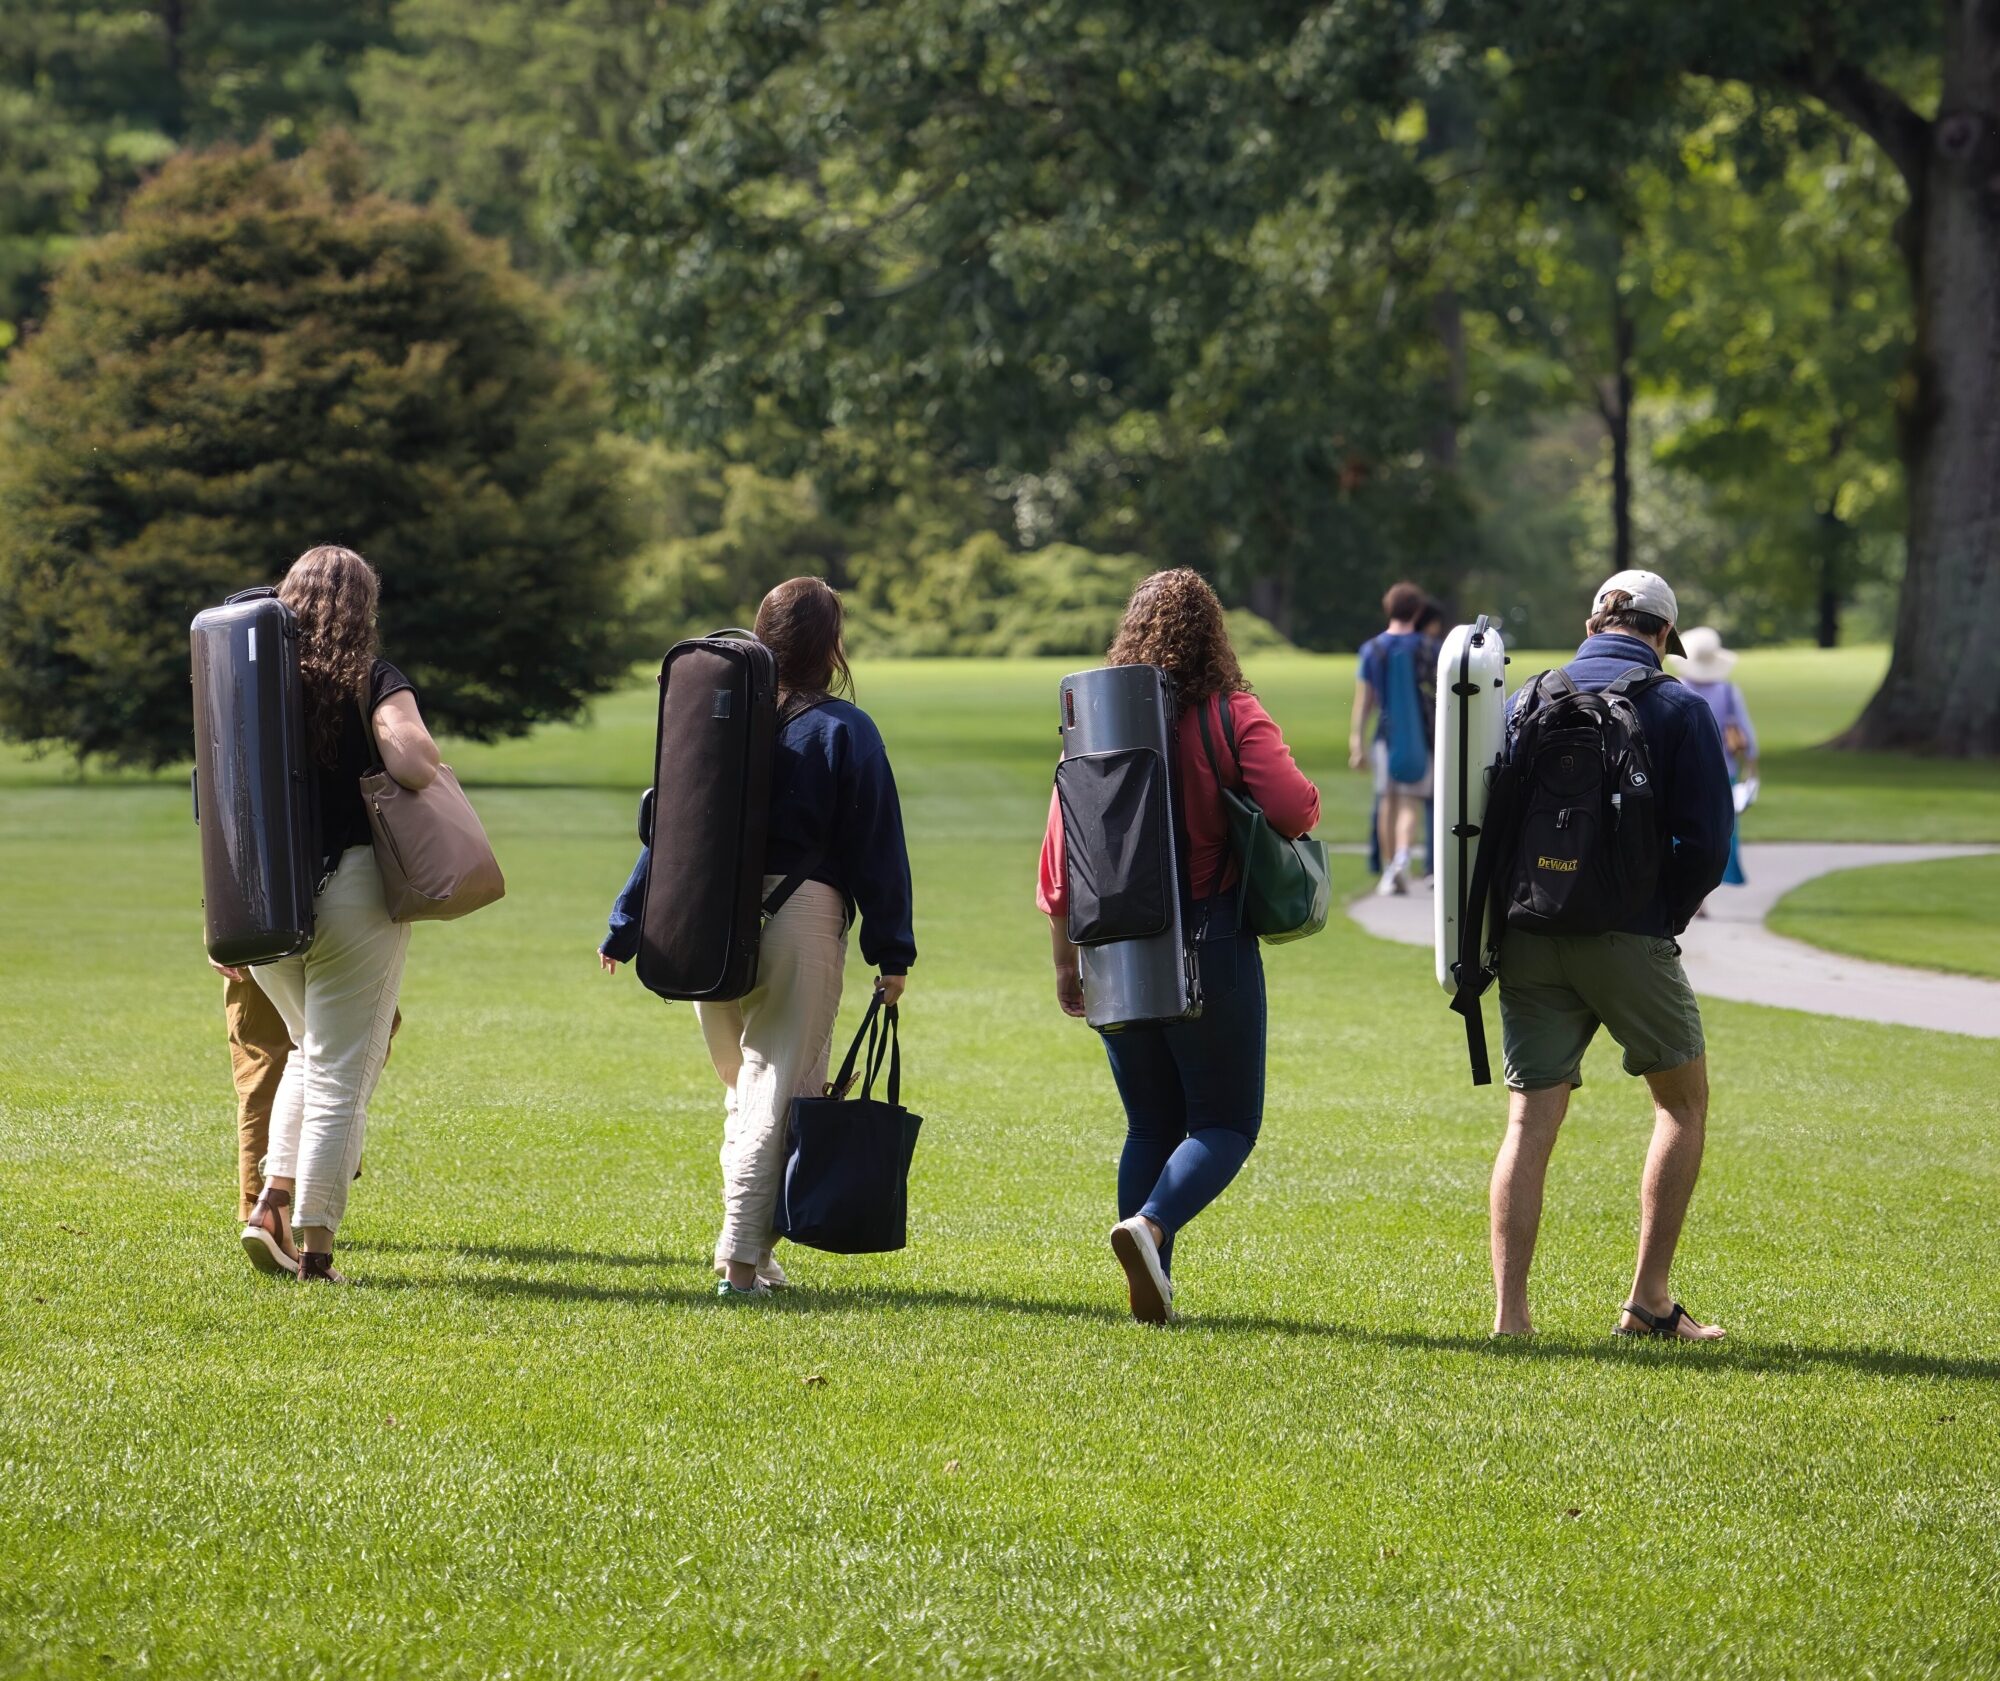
1731 954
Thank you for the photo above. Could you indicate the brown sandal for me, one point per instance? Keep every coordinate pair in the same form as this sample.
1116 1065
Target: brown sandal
316 1267
267 1235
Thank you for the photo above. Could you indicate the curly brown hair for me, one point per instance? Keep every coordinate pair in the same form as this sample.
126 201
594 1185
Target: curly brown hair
1174 621
334 592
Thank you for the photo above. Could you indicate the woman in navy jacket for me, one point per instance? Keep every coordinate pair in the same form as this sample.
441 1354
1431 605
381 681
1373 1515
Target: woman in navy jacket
835 816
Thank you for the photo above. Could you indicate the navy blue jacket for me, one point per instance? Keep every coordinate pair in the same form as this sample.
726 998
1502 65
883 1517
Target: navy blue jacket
1690 776
834 813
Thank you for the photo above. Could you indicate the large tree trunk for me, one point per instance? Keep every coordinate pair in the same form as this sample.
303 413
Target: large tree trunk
1617 409
1942 692
1831 582
1271 598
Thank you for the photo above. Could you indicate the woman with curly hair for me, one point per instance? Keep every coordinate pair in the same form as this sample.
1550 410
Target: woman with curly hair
1193 1090
338 999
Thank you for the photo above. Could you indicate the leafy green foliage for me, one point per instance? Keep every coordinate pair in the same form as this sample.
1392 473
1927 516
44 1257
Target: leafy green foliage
986 598
266 356
714 538
717 536
474 100
1142 273
92 95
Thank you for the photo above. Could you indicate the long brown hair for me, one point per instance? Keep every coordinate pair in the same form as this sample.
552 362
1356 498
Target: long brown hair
1174 621
800 622
334 592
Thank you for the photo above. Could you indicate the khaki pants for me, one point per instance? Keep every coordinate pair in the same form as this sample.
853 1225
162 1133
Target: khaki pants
338 1001
259 1047
768 1047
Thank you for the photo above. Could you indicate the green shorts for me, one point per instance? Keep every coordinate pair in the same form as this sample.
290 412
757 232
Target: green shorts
1557 989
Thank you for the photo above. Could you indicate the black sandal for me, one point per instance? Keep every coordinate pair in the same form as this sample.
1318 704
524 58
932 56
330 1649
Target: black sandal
1666 1324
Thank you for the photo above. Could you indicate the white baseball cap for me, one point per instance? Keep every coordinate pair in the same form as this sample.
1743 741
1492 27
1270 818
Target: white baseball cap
1650 593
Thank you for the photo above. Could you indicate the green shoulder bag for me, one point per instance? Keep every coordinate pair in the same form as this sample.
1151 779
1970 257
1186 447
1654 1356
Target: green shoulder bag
1283 888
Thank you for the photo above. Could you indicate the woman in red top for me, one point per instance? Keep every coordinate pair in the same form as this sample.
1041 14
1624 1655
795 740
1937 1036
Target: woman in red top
1193 1090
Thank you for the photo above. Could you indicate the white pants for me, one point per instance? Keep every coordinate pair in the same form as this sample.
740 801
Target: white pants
768 1047
337 1001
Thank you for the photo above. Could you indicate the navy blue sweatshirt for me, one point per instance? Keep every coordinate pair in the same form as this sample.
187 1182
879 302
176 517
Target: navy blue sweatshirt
834 813
1690 775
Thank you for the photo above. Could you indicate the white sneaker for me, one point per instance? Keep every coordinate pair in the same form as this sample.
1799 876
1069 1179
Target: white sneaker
769 1273
1146 1281
1392 885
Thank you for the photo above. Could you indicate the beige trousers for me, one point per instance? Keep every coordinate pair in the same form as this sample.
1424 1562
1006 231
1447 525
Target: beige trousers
338 1001
768 1047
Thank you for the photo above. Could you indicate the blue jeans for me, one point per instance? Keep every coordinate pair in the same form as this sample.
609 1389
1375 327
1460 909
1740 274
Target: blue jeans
1193 1090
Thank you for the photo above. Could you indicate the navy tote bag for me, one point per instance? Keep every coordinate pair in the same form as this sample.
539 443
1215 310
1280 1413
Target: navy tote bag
848 1177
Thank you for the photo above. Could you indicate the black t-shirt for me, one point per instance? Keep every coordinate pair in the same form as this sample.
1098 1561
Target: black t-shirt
343 819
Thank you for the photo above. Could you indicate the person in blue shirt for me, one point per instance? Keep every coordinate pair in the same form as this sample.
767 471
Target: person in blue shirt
1389 689
836 817
1556 990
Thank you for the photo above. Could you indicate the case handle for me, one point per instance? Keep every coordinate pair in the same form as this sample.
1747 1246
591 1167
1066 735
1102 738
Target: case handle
260 593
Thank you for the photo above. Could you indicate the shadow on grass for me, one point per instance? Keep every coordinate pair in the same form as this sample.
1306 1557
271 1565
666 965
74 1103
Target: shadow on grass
526 1254
1738 1357
1727 1357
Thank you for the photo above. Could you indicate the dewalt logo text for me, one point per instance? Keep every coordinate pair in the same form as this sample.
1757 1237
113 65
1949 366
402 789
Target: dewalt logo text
1559 864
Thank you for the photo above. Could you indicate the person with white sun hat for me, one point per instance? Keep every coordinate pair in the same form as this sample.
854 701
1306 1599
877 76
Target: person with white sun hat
1705 668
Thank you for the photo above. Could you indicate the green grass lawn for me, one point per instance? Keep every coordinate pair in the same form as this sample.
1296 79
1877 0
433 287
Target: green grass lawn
1940 915
531 1444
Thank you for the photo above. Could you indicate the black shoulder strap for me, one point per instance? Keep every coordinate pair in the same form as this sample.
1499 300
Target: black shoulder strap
799 703
1636 681
796 706
1470 972
1463 834
1224 705
1208 744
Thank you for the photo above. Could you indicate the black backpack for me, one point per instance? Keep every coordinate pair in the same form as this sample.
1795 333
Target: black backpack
1572 838
1586 856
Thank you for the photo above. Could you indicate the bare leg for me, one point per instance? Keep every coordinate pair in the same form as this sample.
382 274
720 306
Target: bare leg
1385 827
1673 1163
1409 819
1533 1118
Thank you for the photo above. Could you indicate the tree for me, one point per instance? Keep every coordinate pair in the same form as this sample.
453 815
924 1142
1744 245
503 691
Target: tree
1152 275
1786 329
262 357
473 101
95 93
1600 83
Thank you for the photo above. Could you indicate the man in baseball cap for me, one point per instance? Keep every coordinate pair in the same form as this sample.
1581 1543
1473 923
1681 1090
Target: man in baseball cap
1557 989
1643 592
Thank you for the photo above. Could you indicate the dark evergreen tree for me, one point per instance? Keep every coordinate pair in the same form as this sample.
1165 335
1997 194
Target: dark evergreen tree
263 357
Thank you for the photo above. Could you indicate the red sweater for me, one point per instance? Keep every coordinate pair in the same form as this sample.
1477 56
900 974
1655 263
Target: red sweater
1267 774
